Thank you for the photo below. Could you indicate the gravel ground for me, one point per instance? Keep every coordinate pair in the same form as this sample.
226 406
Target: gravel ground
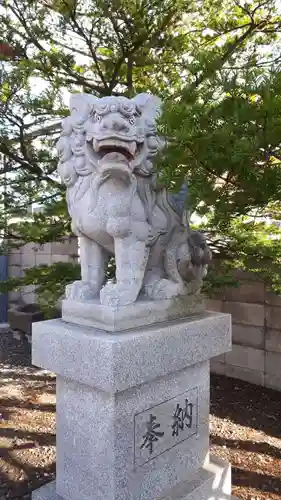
27 422
245 429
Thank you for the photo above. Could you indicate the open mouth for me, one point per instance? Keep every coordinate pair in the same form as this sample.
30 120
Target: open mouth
106 146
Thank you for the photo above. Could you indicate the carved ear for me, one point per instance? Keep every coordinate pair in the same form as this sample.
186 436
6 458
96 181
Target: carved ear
80 105
149 104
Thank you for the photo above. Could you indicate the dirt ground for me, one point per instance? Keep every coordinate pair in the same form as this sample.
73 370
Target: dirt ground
245 429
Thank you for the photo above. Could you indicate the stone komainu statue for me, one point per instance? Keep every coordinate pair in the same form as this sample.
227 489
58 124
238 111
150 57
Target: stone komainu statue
106 152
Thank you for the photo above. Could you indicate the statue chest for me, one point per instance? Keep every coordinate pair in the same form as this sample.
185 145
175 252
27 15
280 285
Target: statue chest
111 216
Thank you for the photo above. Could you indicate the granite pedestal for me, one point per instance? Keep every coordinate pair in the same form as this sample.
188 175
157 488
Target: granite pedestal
133 409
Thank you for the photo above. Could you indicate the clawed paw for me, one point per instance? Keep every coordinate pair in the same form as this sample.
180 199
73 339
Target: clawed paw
81 290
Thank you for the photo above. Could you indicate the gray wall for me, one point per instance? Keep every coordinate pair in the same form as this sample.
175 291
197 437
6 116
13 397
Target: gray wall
31 255
256 320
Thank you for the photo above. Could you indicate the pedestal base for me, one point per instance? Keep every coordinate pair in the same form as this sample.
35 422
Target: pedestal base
211 482
142 313
133 409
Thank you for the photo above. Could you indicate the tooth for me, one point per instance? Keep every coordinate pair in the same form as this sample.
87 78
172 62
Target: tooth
96 145
132 148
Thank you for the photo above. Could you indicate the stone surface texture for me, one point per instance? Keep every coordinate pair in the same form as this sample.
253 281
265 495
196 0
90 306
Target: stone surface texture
116 362
141 313
106 152
133 409
210 482
99 438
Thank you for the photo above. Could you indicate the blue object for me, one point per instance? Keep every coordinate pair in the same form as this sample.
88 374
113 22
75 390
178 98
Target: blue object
179 200
3 296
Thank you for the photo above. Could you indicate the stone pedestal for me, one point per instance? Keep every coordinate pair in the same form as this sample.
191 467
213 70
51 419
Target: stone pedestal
133 409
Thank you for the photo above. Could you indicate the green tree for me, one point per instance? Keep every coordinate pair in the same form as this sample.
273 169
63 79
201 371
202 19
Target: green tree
215 64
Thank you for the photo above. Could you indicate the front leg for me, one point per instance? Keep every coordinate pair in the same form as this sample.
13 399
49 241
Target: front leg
131 257
92 259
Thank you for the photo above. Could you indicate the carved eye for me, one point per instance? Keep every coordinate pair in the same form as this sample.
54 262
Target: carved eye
132 120
97 117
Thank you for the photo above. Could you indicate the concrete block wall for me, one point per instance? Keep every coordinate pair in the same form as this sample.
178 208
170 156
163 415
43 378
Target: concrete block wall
31 255
256 334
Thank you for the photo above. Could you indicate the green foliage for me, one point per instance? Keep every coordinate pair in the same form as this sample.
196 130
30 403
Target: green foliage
245 245
49 280
228 145
216 64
